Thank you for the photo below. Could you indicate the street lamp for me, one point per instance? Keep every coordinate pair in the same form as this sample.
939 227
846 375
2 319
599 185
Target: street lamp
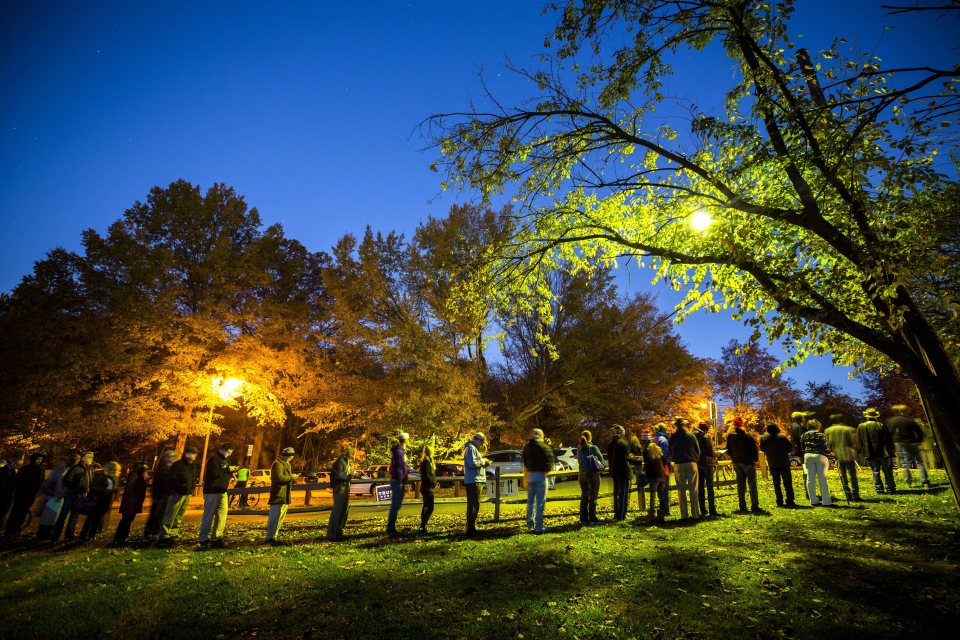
227 389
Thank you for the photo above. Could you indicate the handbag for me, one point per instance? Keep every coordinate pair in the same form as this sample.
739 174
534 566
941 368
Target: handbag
595 464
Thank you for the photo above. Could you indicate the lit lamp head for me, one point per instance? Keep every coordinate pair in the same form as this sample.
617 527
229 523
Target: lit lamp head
700 220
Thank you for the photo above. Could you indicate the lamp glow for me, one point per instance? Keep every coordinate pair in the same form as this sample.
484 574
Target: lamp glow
228 388
701 220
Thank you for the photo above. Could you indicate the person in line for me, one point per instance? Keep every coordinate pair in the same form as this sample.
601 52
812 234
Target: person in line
473 478
877 443
398 481
243 476
619 459
53 498
636 454
26 485
159 492
216 480
76 485
660 437
428 483
907 438
798 420
281 493
842 440
742 449
340 477
590 465
685 452
183 480
777 448
131 502
656 471
814 446
538 461
706 467
103 487
8 478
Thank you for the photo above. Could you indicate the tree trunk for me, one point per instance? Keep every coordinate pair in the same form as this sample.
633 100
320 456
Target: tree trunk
942 405
257 446
185 417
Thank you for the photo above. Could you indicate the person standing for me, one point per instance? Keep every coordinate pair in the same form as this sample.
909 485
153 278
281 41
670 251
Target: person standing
814 447
76 485
131 502
742 449
660 437
657 477
428 483
53 498
398 481
590 464
618 457
216 481
8 477
538 461
842 440
26 485
778 448
340 477
907 437
877 443
706 466
685 452
281 493
103 487
473 479
159 491
183 480
243 476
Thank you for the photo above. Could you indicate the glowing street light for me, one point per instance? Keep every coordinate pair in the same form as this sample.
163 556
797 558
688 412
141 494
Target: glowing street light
227 389
701 220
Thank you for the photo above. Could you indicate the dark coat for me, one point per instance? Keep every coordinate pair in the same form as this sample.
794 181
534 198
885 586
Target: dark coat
217 474
77 480
876 439
134 493
905 429
341 474
183 477
281 482
428 474
653 466
27 483
707 456
619 458
777 448
102 489
684 447
742 448
160 487
538 457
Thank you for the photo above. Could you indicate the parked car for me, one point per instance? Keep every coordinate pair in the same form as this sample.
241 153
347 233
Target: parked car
312 477
569 457
259 478
447 468
511 462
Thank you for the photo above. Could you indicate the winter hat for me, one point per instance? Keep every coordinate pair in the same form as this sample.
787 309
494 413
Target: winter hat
738 422
191 449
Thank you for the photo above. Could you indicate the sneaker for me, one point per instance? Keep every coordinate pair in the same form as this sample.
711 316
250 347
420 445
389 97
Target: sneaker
218 544
540 531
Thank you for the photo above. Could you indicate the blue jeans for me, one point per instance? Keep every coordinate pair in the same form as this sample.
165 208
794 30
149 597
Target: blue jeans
396 500
886 466
658 492
782 476
536 493
907 454
621 497
705 490
69 516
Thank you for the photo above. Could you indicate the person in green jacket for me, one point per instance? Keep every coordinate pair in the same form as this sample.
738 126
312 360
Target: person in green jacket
243 476
281 492
340 477
428 482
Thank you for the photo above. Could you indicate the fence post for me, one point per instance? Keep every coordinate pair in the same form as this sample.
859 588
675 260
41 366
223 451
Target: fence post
456 488
306 498
496 503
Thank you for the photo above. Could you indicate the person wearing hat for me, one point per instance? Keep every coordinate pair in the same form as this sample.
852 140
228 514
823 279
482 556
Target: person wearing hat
538 461
662 441
340 476
742 449
182 482
216 480
778 448
842 440
877 443
685 453
281 492
131 502
473 478
907 437
398 479
620 461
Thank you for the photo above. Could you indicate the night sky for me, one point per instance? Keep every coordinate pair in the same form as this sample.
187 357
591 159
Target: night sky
309 110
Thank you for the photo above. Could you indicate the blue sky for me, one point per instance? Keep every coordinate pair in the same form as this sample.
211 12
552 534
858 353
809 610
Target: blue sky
308 109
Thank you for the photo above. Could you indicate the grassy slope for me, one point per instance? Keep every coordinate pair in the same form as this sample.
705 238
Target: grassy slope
886 569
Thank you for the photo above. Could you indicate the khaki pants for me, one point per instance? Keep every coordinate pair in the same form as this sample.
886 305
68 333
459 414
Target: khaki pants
173 516
277 513
214 516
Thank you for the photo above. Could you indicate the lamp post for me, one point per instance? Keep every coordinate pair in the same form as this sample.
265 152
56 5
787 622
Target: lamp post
227 390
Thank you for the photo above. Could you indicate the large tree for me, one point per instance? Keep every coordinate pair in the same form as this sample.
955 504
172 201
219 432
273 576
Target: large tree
744 378
809 180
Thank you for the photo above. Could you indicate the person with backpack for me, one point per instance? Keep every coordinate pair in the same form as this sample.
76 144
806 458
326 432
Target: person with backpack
131 502
76 485
655 468
878 450
428 483
281 493
590 462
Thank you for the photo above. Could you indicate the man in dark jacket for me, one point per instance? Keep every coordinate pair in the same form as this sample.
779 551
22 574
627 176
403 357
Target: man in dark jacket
685 452
907 436
619 461
76 485
877 443
183 480
742 449
538 461
159 491
281 493
217 475
706 466
398 481
26 485
131 502
340 477
777 449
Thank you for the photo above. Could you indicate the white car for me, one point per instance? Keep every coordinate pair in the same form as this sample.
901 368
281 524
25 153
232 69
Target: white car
259 478
569 456
511 462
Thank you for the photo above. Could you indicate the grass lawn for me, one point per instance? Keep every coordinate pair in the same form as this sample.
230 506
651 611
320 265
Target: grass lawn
885 568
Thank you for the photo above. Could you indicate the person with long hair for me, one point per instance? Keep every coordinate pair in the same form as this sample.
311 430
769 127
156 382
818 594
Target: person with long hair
428 482
591 463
